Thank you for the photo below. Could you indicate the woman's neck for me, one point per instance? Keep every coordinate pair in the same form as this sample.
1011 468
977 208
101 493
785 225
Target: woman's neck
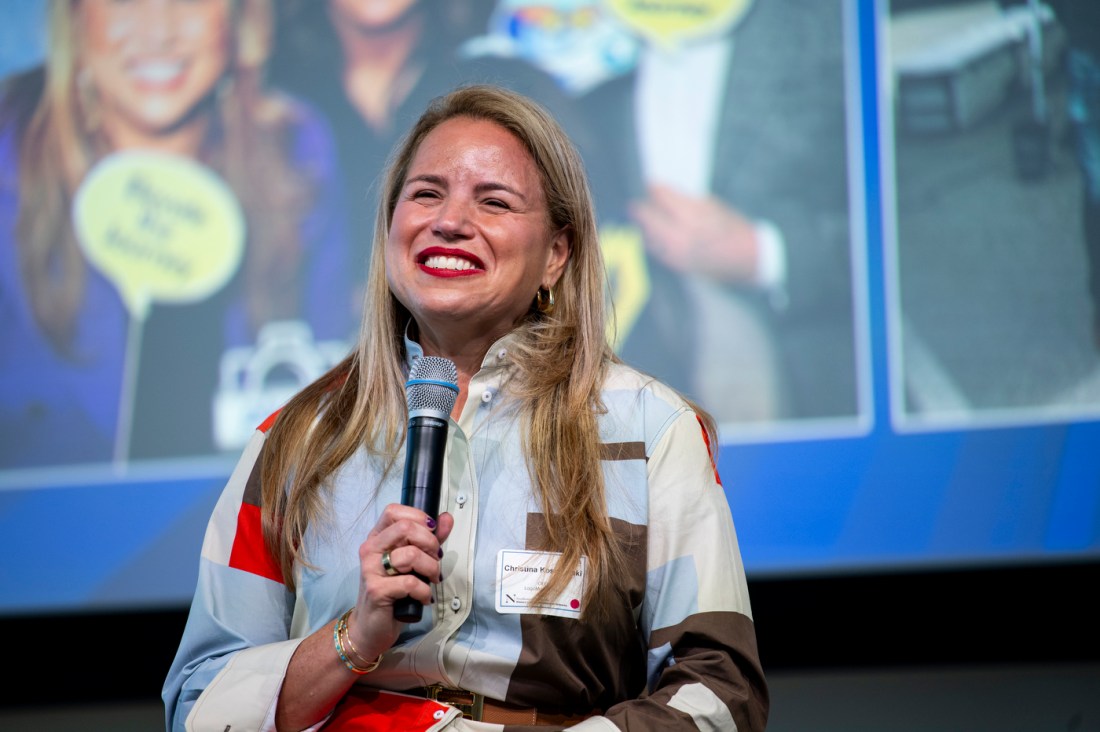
467 354
377 70
185 139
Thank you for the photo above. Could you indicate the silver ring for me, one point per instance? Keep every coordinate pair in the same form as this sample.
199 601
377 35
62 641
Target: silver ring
387 565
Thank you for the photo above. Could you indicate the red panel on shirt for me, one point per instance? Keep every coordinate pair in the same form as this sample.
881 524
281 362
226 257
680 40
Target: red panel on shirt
706 441
266 424
249 552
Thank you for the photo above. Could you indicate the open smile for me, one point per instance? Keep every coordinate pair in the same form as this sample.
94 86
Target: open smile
157 74
449 262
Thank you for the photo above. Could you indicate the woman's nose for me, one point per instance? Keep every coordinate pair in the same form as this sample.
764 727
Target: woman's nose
452 220
159 23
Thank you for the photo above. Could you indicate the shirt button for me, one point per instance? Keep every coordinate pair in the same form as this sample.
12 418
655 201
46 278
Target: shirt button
486 396
456 604
460 499
439 714
501 354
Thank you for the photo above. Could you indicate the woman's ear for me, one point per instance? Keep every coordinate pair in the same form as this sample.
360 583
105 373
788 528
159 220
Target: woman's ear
561 248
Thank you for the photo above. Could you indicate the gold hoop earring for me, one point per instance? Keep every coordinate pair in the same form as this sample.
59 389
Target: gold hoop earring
544 300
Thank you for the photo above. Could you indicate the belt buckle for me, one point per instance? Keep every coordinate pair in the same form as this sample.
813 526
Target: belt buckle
469 703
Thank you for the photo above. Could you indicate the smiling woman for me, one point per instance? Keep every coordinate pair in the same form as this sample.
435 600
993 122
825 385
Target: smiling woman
584 546
165 85
148 90
471 242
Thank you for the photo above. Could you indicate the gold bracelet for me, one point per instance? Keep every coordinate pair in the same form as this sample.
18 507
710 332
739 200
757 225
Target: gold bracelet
342 628
371 665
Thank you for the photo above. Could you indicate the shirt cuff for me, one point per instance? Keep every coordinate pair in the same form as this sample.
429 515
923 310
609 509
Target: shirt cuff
771 263
244 694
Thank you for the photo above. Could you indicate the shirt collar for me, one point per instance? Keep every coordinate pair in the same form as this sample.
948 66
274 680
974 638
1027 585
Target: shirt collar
496 356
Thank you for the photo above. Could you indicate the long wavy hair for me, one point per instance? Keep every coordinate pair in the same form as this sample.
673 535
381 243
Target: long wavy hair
561 360
60 140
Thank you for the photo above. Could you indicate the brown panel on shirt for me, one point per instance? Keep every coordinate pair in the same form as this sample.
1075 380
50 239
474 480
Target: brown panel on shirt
253 494
574 666
717 649
622 451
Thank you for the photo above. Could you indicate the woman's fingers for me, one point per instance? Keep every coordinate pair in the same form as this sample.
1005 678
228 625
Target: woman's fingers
410 560
404 546
400 526
385 592
408 542
445 523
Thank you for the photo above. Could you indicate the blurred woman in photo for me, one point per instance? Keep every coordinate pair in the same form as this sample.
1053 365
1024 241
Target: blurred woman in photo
371 66
176 77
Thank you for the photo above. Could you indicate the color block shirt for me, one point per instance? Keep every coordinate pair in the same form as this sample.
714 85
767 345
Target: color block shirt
678 653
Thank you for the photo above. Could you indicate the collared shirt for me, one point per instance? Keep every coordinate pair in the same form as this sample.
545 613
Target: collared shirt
678 652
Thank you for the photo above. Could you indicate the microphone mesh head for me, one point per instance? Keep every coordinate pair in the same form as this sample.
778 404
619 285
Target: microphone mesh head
436 397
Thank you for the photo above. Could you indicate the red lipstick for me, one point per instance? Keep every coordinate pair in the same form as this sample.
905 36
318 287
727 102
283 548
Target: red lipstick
477 265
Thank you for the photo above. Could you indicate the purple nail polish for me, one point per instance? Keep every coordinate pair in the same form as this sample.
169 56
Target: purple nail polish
431 523
440 552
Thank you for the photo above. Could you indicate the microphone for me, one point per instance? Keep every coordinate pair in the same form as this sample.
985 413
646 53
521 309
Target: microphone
430 394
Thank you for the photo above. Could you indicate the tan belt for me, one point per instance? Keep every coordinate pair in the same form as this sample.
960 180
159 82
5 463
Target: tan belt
478 708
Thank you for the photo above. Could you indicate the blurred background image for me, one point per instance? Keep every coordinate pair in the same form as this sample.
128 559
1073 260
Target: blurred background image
997 249
189 196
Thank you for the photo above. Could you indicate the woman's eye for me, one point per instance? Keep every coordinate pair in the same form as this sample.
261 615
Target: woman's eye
496 203
424 193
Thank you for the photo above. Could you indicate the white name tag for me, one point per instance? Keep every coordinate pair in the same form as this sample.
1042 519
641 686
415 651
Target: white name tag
521 574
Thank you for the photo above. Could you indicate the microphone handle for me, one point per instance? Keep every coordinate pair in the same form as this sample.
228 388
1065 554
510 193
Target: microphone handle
423 480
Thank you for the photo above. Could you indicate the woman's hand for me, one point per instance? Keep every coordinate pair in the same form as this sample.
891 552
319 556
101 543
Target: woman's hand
413 543
316 679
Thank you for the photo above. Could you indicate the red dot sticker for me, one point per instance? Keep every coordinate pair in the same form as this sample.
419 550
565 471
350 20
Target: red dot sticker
574 604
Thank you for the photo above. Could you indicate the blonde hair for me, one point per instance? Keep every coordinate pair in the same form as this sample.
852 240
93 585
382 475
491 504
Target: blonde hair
561 358
60 143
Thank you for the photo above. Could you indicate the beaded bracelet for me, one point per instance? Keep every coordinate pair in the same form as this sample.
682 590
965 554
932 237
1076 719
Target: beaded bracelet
342 628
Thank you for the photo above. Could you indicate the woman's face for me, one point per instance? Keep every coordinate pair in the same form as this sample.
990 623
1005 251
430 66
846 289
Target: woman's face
470 242
152 62
370 14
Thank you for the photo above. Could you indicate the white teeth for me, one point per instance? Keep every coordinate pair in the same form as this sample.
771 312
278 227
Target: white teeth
441 262
157 71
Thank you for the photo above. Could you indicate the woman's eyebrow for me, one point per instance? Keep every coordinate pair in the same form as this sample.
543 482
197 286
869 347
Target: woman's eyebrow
490 186
480 188
427 178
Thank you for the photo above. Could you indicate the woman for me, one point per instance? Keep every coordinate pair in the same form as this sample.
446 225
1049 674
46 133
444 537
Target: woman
562 463
373 65
181 78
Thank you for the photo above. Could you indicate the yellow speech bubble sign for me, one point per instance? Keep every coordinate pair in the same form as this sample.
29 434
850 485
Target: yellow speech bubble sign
160 227
673 23
627 279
